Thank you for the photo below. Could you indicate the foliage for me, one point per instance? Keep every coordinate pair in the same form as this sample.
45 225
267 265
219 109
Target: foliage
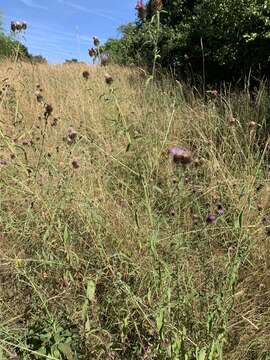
232 36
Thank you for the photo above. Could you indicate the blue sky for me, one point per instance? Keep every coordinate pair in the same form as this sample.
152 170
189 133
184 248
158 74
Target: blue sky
63 29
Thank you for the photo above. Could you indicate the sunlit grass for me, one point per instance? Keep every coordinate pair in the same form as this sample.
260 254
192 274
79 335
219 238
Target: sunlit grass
106 252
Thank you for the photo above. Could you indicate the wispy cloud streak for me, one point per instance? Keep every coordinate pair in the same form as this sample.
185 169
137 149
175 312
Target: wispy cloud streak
32 4
88 10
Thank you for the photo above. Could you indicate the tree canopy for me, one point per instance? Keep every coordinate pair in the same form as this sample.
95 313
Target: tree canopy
232 37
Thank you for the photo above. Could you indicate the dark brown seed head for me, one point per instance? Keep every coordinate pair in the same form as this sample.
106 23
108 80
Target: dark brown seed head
92 52
86 74
71 135
75 164
108 79
48 110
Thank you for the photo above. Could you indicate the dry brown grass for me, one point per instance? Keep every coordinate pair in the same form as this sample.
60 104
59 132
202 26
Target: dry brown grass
106 261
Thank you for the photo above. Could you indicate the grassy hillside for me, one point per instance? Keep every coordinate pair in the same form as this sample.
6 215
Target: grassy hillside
107 249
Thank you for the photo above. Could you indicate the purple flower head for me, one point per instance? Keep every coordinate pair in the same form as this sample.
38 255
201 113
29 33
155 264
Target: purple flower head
3 162
211 218
104 59
180 155
221 210
175 150
140 4
141 9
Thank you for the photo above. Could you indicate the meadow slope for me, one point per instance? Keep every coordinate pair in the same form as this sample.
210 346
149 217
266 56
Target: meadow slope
107 250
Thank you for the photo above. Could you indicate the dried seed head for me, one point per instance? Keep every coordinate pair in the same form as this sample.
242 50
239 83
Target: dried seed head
252 125
54 122
39 96
156 5
18 26
232 120
71 135
13 26
108 79
86 74
92 52
96 41
48 110
75 164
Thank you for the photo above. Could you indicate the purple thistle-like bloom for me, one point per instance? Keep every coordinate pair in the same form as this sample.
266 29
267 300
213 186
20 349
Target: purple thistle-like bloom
3 162
175 150
211 218
141 9
221 210
104 59
180 155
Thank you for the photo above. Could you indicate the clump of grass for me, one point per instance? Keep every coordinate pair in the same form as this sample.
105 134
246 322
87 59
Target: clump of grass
107 248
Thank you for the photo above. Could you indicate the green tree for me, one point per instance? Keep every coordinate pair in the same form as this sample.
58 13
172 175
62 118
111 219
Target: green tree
232 37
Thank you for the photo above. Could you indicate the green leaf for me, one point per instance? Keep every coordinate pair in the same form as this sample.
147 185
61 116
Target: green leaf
91 288
66 350
201 355
160 321
239 221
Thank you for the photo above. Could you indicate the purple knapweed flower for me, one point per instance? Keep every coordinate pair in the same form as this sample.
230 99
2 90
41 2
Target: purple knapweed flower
3 162
221 210
180 155
211 218
104 59
141 9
